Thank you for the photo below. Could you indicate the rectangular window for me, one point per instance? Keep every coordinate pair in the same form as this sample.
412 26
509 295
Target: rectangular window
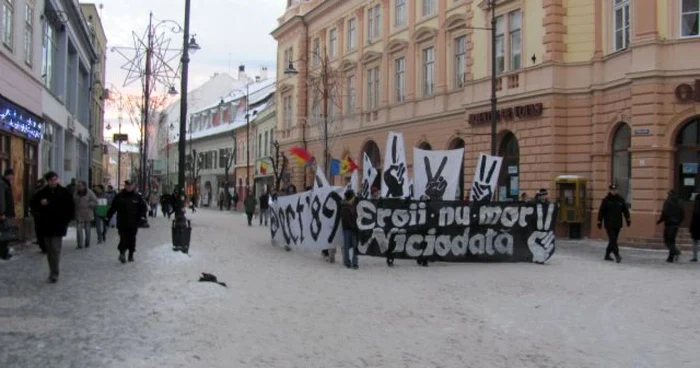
265 151
259 145
515 24
350 106
428 71
374 20
400 16
8 11
352 34
621 26
287 112
500 45
429 7
400 79
223 157
317 52
690 16
373 88
28 35
333 42
460 61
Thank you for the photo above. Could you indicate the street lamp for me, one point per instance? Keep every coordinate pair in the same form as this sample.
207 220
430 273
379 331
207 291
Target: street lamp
167 154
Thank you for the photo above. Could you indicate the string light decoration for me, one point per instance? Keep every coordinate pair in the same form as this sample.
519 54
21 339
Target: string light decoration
17 120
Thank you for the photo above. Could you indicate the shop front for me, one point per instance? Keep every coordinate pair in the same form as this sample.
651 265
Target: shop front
20 134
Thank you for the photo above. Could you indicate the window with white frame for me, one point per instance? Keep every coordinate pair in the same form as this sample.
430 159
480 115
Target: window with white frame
429 7
316 57
374 21
266 152
373 88
428 71
515 21
350 93
400 13
400 79
49 52
332 103
332 42
690 18
28 34
287 106
316 107
460 60
8 11
621 24
500 44
352 34
260 137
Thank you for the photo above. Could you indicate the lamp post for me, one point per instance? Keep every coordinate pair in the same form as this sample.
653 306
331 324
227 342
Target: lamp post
325 95
494 98
167 155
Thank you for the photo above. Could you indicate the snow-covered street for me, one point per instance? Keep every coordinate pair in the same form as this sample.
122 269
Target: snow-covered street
291 309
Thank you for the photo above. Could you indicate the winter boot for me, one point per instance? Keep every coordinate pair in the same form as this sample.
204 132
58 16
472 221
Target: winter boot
122 257
131 256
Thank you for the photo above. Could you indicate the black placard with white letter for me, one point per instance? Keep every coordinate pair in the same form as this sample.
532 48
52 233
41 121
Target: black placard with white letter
453 231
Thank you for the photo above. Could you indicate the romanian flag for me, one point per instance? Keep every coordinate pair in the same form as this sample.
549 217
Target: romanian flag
263 168
301 155
348 166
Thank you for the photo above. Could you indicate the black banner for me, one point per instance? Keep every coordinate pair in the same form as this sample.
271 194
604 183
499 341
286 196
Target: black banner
453 231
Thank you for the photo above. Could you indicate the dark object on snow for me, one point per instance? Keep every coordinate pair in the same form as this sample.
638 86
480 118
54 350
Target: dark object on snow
207 277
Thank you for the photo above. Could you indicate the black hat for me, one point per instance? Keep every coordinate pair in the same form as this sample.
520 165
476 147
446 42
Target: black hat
9 171
128 182
542 192
613 187
50 175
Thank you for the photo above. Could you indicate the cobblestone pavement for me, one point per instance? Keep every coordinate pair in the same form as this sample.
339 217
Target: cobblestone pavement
290 309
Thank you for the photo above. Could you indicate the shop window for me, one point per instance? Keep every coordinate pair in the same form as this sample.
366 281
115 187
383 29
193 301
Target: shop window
622 160
458 143
509 179
687 159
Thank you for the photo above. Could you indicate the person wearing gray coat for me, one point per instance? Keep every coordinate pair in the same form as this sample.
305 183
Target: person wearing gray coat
85 202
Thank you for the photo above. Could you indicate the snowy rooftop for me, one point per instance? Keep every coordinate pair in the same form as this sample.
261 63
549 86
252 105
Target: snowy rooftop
258 91
226 127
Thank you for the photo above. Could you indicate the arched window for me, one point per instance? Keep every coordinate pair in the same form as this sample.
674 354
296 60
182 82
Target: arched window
509 179
425 146
458 143
375 156
687 158
622 160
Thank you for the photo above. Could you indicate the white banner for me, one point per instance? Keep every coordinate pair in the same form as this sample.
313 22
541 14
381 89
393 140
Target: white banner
488 169
309 220
320 180
354 183
395 177
436 173
369 174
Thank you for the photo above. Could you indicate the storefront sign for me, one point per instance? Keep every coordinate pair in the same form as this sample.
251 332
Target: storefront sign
508 114
20 121
687 93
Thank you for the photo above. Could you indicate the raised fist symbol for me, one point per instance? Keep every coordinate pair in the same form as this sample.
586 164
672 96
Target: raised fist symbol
541 241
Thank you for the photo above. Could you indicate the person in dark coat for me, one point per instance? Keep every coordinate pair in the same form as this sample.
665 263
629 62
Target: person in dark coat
55 205
7 208
695 228
612 209
130 208
249 204
672 216
37 229
348 217
264 207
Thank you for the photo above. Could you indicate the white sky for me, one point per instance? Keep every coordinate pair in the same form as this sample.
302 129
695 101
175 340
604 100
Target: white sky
230 32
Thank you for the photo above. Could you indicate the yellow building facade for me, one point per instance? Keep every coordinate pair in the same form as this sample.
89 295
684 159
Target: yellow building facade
603 89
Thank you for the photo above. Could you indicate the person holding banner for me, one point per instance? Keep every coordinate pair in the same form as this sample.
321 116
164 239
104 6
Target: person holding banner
348 216
612 208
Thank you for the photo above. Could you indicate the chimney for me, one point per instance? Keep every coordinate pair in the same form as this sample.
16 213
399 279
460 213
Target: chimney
263 73
241 73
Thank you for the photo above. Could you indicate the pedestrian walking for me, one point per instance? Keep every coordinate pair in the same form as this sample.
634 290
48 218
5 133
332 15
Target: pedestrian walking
235 200
222 199
153 199
85 204
130 207
35 214
55 205
672 216
101 213
612 209
7 208
348 217
695 228
111 193
264 207
249 204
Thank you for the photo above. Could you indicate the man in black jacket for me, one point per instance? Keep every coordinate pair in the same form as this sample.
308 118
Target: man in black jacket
612 208
672 216
348 217
7 208
264 207
57 209
130 208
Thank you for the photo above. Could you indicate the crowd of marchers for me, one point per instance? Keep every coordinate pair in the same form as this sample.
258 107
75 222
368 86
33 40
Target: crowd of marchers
54 207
